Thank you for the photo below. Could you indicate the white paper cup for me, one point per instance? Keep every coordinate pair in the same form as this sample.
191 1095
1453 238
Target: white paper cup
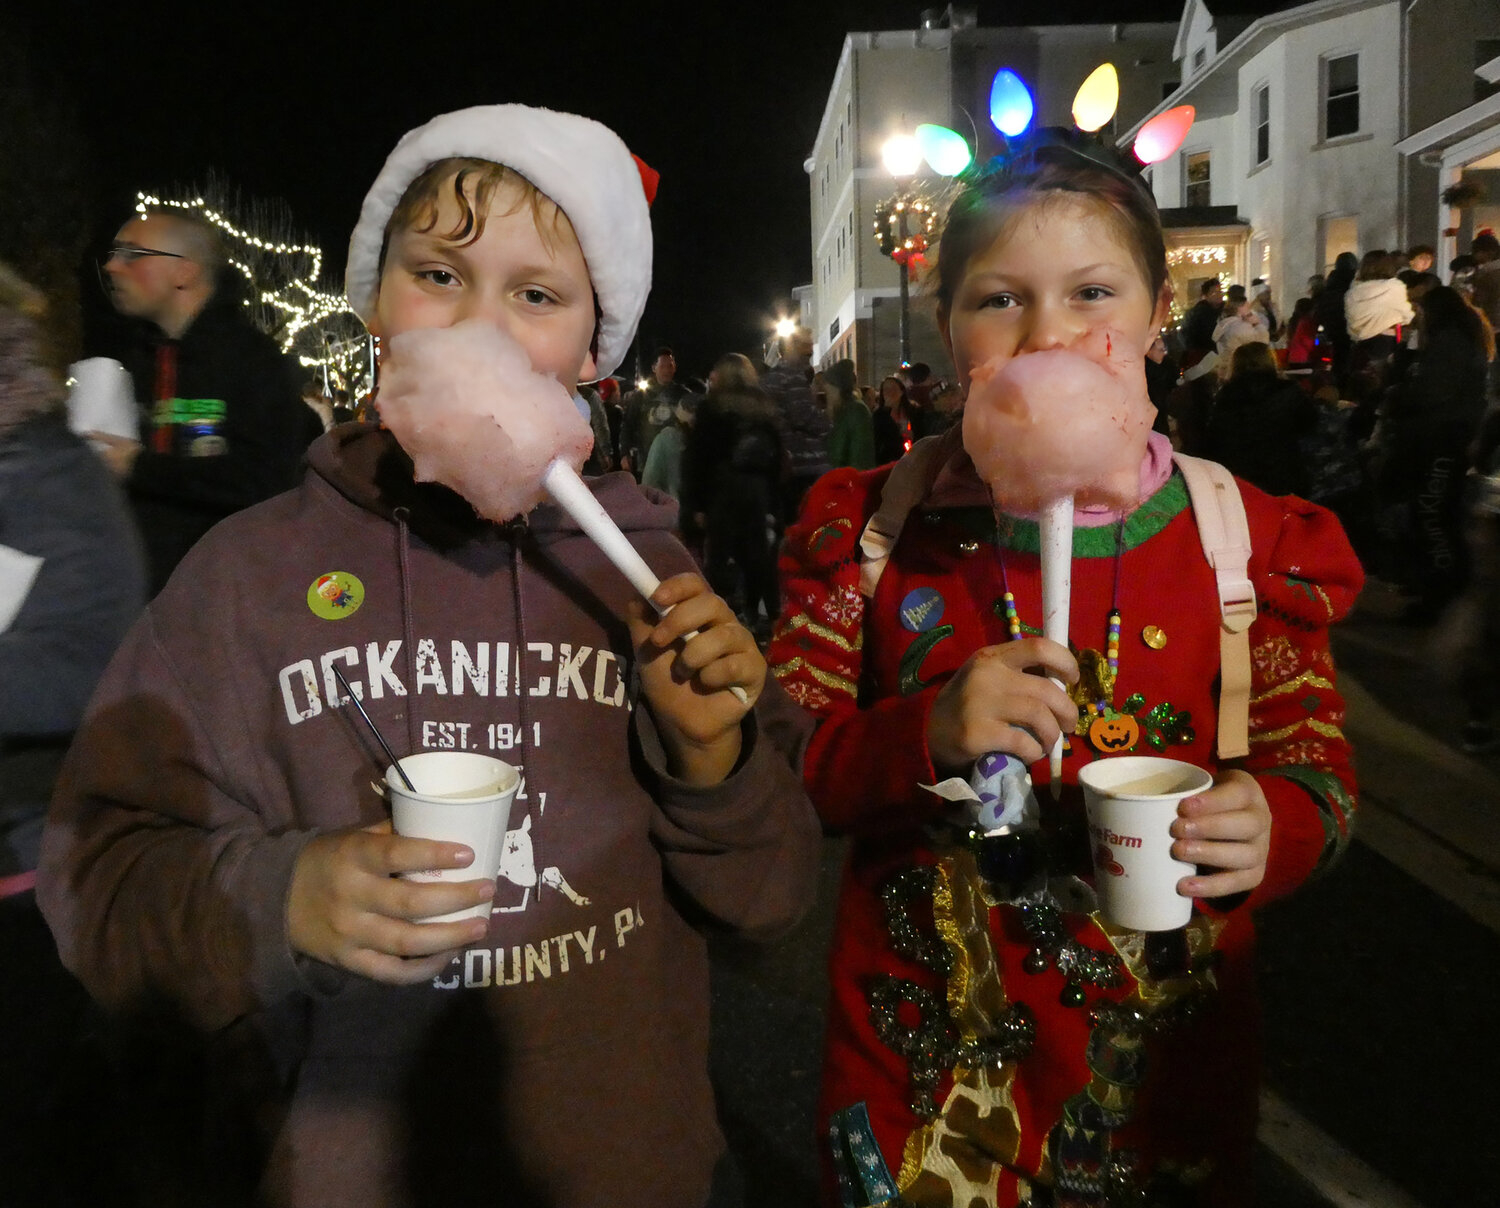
1131 802
460 797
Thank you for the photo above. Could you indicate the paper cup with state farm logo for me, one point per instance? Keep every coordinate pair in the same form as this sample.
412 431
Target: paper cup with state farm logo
1131 802
461 797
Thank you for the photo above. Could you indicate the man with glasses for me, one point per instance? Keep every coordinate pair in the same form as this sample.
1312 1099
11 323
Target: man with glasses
222 423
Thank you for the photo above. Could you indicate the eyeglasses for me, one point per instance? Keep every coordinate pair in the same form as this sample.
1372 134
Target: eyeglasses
129 254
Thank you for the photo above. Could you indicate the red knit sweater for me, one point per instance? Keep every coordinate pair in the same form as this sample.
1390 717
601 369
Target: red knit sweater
871 669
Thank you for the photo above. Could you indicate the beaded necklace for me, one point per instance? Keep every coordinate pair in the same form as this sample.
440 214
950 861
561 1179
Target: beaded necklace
1095 691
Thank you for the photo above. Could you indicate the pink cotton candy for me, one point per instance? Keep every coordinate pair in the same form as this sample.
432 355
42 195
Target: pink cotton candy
471 412
1063 422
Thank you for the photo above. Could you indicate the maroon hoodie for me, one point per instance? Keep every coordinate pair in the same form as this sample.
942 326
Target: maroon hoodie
564 1061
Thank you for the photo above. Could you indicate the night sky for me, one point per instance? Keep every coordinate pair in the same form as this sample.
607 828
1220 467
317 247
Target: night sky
303 102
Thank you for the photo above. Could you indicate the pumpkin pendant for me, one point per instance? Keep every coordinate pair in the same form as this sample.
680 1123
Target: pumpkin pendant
1111 733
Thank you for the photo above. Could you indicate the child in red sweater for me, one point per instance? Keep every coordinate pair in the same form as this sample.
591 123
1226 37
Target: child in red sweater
992 1040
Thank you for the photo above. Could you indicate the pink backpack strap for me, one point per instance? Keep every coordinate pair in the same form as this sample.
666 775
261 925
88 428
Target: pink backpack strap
1224 531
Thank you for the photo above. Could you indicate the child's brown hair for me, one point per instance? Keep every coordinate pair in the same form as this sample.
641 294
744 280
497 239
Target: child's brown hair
473 184
990 203
419 207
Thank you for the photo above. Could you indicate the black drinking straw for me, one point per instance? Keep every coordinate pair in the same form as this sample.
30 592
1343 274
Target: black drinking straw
384 746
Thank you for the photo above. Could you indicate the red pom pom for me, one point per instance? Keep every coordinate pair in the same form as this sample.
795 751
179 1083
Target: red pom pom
650 178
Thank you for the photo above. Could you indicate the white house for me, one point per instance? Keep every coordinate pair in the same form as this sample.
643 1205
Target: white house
1462 151
889 82
1297 153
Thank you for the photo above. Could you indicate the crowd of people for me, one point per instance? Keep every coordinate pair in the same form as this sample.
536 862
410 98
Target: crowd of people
1372 398
291 1009
739 448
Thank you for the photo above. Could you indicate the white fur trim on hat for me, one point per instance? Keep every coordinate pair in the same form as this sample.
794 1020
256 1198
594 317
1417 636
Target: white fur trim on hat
580 164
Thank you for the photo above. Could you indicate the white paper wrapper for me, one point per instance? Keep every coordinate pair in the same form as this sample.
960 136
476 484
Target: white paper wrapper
1056 524
568 491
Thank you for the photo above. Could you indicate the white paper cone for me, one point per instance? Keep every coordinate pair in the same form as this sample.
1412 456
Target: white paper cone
1056 524
561 482
568 491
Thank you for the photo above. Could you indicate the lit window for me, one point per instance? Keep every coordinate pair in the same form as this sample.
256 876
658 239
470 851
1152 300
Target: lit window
1197 189
1341 96
1340 234
1260 109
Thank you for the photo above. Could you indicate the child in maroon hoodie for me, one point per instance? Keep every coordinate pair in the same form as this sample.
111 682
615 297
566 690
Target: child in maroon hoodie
215 848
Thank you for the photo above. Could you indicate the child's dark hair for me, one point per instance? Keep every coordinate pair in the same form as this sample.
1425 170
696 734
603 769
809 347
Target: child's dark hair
1444 309
992 199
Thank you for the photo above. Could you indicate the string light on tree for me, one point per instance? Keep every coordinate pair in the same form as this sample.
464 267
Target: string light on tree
284 296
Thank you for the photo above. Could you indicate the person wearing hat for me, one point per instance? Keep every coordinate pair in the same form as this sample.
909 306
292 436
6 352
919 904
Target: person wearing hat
216 854
851 438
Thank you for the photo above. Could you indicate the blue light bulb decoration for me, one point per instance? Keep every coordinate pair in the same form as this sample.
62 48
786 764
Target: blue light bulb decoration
1011 106
945 150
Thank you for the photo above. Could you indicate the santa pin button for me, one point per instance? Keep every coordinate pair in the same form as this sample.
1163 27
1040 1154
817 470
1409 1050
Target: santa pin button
1154 636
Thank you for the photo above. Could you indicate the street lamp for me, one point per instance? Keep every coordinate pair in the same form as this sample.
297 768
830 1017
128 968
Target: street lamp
902 157
781 330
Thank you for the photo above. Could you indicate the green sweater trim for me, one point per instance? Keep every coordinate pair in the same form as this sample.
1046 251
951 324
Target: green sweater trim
1024 536
1335 806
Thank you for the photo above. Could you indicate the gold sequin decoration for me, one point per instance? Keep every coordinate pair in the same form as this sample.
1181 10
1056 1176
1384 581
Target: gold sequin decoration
1312 723
802 621
1202 934
976 997
837 683
1154 636
947 927
1311 678
1096 681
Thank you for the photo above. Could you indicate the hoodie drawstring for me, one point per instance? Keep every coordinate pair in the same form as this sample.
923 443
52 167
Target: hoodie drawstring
403 551
518 530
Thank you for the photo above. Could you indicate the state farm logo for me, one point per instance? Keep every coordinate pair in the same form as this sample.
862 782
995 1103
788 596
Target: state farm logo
1104 858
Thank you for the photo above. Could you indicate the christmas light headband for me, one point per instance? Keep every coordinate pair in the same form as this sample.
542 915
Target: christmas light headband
1012 108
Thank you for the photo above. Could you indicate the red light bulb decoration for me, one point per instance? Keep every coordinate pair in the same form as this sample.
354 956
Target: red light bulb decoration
1163 134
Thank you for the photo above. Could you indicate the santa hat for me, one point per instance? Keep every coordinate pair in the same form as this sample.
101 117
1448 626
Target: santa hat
581 165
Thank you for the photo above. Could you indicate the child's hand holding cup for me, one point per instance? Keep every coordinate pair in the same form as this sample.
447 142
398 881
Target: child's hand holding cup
1132 802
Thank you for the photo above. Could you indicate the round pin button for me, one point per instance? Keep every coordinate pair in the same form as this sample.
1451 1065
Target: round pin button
921 609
